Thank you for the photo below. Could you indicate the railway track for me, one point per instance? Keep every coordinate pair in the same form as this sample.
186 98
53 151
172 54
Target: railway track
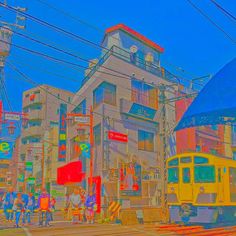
197 230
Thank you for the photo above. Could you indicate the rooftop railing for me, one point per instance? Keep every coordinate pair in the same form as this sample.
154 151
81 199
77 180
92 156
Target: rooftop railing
153 67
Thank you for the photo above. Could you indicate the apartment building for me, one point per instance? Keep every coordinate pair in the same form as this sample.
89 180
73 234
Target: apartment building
42 106
127 115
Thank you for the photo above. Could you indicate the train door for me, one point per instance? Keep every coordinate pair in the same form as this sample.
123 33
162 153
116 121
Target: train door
220 183
186 183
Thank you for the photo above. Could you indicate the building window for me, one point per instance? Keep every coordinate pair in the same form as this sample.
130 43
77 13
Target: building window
234 155
145 141
144 94
97 134
104 93
81 108
214 127
34 123
27 95
53 123
37 92
69 99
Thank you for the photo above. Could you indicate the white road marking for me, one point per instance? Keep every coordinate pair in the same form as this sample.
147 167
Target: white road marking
27 232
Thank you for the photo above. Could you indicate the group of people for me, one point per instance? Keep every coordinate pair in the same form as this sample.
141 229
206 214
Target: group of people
19 205
81 208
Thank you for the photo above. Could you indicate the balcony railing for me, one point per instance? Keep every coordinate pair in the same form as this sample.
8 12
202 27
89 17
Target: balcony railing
139 62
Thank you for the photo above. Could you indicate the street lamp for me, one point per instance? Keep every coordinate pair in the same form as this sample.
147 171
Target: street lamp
11 128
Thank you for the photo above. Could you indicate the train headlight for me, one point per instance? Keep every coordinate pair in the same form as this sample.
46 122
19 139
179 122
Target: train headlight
202 190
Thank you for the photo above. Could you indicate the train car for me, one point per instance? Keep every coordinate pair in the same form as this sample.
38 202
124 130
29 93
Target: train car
201 188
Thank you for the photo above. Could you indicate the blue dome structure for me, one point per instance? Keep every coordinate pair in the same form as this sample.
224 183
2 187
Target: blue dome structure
216 102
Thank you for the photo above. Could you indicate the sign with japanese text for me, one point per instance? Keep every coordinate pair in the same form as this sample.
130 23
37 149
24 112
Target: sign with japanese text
9 116
31 180
117 136
82 119
6 149
29 166
62 133
142 111
82 149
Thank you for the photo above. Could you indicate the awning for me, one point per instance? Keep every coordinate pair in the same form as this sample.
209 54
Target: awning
216 103
70 173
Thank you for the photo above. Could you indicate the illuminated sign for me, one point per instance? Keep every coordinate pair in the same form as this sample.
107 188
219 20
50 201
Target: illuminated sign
21 177
142 111
117 136
62 133
6 149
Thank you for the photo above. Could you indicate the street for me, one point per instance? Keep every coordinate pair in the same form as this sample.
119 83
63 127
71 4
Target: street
63 228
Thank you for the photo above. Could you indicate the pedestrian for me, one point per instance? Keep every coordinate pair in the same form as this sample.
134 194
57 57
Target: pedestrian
83 199
53 208
18 207
90 207
44 208
30 207
8 204
25 199
75 203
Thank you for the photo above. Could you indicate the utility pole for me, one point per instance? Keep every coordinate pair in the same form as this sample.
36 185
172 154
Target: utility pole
164 205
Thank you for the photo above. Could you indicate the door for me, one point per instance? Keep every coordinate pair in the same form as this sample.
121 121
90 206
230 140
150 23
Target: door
186 186
220 183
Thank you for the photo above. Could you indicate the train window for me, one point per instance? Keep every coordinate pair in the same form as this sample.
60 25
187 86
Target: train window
174 162
204 174
173 175
186 175
200 160
185 160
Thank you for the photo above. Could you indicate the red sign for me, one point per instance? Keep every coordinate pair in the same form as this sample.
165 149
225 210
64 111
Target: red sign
117 136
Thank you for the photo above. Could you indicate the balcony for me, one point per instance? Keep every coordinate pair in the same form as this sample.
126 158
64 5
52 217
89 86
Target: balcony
139 62
35 115
37 100
32 131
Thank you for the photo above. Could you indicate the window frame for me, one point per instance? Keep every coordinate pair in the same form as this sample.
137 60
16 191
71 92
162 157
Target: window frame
145 144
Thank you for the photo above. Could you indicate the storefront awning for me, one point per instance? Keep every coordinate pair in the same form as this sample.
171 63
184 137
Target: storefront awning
70 173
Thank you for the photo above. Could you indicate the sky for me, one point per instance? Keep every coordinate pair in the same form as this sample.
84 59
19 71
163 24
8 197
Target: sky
193 46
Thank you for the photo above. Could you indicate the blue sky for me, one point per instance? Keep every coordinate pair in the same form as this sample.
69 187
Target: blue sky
190 41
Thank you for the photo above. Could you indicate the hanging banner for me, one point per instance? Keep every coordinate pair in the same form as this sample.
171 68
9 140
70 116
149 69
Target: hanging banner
62 133
130 179
82 149
6 149
29 166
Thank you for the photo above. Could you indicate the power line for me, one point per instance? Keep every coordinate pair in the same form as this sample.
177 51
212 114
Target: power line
95 28
212 22
227 13
58 29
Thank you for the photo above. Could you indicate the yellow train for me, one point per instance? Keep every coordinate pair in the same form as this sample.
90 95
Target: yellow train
201 188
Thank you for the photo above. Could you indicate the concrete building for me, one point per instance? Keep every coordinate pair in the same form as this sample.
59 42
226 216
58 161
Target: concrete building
126 108
42 105
215 139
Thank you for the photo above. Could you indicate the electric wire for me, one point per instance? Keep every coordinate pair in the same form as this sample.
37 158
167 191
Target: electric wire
212 22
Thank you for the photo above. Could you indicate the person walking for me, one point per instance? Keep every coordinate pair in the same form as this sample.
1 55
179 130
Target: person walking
25 199
53 208
44 208
90 207
75 203
30 207
8 204
18 207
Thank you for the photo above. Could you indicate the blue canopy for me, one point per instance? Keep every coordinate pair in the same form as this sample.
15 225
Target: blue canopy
216 102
